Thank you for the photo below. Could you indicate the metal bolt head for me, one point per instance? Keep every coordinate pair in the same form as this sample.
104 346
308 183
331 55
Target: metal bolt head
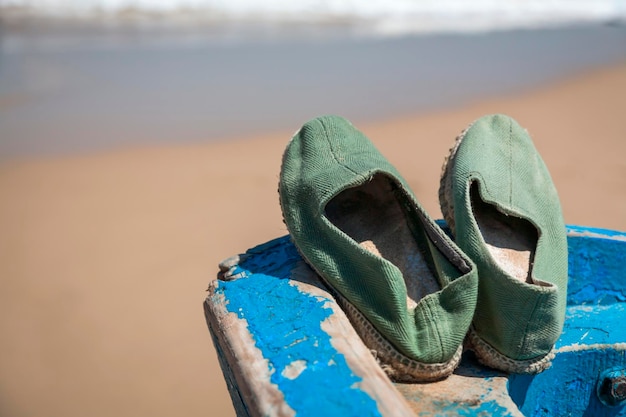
611 388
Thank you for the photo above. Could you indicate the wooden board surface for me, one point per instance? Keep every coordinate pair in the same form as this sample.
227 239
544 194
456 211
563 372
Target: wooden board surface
286 348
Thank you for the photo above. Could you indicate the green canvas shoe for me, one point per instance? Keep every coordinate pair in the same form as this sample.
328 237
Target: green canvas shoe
408 290
501 205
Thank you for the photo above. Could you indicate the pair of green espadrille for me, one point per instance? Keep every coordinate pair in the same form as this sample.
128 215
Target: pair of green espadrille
411 292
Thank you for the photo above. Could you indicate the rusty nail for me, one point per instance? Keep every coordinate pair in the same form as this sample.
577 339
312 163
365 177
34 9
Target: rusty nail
611 388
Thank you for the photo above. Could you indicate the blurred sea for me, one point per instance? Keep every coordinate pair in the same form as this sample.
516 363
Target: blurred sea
98 74
372 17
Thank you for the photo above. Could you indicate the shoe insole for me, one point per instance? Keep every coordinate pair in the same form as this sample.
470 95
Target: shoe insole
511 240
372 216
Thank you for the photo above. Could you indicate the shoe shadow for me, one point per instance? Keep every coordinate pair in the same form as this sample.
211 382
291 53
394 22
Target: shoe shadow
470 367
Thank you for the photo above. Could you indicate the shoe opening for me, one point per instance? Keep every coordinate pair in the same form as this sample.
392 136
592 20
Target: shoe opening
375 218
511 240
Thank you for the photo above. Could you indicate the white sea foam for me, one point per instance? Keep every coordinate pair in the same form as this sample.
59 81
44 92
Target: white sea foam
385 17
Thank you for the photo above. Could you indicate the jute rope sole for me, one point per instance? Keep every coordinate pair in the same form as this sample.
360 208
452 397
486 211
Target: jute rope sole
489 356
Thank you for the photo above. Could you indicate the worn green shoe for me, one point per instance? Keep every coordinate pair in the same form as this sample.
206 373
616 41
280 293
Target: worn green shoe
408 290
500 203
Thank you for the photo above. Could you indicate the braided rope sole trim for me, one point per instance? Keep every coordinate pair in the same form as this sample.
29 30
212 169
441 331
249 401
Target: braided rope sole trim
446 200
396 365
488 355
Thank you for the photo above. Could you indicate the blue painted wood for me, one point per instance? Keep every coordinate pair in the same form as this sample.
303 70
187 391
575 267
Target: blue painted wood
328 383
594 336
597 263
261 291
281 335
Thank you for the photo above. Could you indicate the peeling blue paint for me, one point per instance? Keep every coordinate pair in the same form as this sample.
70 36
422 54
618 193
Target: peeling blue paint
592 294
585 230
285 324
568 388
485 408
588 346
596 268
594 325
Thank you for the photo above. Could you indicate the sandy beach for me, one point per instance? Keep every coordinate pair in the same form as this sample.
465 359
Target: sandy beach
104 256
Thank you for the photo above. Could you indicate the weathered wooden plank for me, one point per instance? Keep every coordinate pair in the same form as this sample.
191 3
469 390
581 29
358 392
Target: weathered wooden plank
286 347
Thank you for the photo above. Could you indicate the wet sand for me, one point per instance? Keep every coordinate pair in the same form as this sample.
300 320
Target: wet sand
104 257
